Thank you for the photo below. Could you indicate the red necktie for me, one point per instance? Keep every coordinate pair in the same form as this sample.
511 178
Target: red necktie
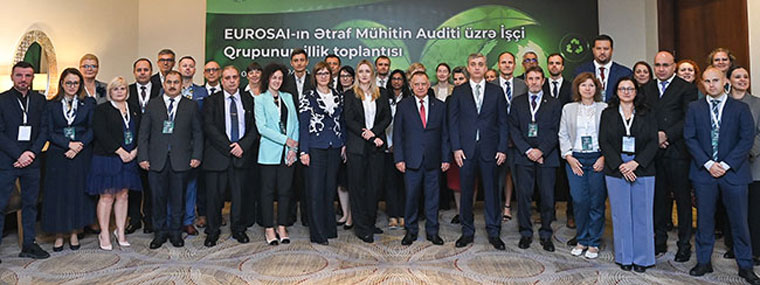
422 113
601 74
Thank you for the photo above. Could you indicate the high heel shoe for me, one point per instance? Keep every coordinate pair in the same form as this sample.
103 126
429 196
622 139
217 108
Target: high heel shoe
103 247
347 227
122 244
57 248
272 241
283 239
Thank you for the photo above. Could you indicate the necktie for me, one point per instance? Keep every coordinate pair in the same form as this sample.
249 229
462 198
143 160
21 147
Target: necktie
422 113
142 96
382 83
601 73
554 89
715 128
234 131
533 101
663 85
213 90
508 90
171 107
479 97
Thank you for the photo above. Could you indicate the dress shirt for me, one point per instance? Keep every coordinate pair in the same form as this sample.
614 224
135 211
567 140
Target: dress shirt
502 83
148 86
389 131
482 91
240 114
381 81
299 84
668 81
721 105
584 126
607 67
216 88
559 86
173 114
370 108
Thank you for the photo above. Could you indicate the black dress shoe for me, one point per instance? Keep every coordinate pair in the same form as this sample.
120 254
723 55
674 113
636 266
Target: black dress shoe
464 241
177 241
211 240
639 268
701 269
132 227
408 239
325 242
455 220
660 250
525 242
749 276
157 242
366 238
683 255
378 231
547 244
34 251
573 241
341 223
626 267
348 227
241 237
756 260
435 239
496 242
148 229
58 248
75 247
729 254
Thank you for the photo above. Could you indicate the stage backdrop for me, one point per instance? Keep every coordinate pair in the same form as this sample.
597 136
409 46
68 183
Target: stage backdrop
426 31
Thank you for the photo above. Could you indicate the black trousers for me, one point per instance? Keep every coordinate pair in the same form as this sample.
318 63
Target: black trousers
200 195
322 174
251 195
672 176
29 180
168 189
753 217
394 189
140 208
275 179
298 194
365 174
544 178
216 183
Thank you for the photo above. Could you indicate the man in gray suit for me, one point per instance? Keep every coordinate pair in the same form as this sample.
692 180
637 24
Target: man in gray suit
170 144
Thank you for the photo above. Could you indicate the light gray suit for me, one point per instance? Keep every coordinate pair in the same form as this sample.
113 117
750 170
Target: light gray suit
754 108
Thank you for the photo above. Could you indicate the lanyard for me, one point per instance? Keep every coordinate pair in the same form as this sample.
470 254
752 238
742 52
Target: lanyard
175 104
538 105
23 109
716 118
126 118
626 124
70 109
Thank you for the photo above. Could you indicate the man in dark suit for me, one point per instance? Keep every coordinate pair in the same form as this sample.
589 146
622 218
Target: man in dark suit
422 152
333 61
23 133
296 82
165 62
477 119
669 97
142 92
719 133
534 122
170 144
230 136
607 71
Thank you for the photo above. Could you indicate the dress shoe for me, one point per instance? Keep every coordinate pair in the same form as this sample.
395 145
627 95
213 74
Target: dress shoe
408 239
177 241
547 244
571 223
116 236
34 251
435 239
639 268
283 239
683 254
148 228
211 240
496 242
626 267
241 237
104 247
464 241
340 223
525 242
157 242
58 248
455 220
74 246
701 269
660 250
201 222
366 238
378 231
325 242
729 254
190 230
573 241
132 227
749 276
348 227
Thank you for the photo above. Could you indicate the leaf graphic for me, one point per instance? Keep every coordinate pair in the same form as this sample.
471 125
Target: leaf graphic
485 17
402 61
274 7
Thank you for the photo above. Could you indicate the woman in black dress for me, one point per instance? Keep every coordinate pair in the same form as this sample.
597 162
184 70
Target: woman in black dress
66 208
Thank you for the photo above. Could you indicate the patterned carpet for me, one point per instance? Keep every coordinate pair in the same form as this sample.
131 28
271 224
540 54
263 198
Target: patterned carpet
347 260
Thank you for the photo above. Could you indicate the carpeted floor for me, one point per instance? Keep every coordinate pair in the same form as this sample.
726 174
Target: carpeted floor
347 260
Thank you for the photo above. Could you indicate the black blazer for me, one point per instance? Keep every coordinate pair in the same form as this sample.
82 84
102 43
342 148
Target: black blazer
354 116
547 118
82 123
156 80
11 117
107 127
289 85
186 141
216 156
611 132
565 91
134 93
670 111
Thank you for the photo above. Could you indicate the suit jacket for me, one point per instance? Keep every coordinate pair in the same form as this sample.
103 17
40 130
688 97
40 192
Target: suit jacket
198 93
416 144
464 121
107 127
670 110
156 80
644 131
82 123
186 140
134 94
289 85
737 134
518 89
216 156
565 91
320 129
569 122
617 72
100 92
272 144
11 116
754 107
547 118
355 122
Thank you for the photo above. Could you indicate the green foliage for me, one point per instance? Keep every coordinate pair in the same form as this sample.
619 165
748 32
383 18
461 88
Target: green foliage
370 43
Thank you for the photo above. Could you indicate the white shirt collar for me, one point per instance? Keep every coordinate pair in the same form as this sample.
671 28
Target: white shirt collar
146 85
482 85
511 81
722 98
606 66
669 80
176 99
236 94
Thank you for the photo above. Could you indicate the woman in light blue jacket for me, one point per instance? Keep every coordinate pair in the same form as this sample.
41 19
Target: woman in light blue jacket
277 121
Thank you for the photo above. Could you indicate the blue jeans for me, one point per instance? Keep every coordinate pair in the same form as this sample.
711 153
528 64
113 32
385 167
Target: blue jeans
588 194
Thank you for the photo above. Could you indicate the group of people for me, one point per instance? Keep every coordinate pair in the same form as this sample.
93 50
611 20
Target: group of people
162 149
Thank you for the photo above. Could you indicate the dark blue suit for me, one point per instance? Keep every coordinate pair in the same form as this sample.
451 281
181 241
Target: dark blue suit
527 172
736 136
11 149
422 149
464 124
617 72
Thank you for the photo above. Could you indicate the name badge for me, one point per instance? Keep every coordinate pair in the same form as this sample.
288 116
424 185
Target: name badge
586 143
69 133
168 127
24 133
128 137
532 130
629 144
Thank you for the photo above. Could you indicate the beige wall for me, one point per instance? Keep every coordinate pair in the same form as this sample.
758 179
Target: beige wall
633 27
753 18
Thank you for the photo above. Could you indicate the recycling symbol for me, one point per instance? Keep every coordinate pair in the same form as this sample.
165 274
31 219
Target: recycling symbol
574 46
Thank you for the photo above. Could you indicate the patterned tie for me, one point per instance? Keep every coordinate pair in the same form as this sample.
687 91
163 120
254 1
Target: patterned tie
234 131
533 101
554 89
422 113
171 107
715 128
479 97
508 90
663 86
601 73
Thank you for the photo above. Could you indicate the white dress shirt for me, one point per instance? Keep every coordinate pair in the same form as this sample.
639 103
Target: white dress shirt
173 114
559 86
723 98
370 108
585 126
240 114
607 67
143 102
216 88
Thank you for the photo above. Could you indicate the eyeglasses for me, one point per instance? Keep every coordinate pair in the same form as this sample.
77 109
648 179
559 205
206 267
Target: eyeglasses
530 60
626 89
89 66
720 59
397 79
166 59
71 83
213 69
345 76
323 73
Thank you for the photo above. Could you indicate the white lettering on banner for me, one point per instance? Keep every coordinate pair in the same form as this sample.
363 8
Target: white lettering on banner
239 34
